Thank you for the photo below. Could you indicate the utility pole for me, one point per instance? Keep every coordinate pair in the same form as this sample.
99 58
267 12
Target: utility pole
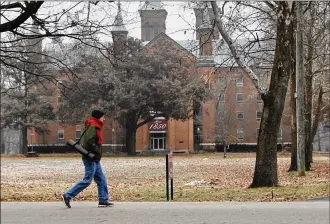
300 99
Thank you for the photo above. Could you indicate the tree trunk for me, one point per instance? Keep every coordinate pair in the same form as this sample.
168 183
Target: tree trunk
308 122
265 173
309 91
131 128
24 144
301 135
130 141
316 119
293 165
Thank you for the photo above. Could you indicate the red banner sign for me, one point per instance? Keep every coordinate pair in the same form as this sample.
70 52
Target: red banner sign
158 125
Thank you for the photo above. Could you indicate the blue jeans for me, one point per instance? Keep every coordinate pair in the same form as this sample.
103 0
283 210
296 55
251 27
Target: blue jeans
93 170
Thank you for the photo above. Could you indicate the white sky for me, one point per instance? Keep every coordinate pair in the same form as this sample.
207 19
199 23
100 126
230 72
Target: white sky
180 17
180 22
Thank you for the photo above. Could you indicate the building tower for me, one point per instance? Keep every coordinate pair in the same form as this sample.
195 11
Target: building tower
205 31
153 20
199 17
57 40
119 33
34 45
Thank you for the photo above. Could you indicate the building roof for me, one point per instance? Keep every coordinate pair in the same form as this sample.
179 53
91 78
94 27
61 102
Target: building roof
258 53
152 6
162 34
251 52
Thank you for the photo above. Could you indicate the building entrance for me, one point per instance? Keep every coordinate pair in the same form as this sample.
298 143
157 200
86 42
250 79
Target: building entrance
157 141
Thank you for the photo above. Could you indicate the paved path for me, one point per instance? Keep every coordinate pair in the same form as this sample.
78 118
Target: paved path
313 212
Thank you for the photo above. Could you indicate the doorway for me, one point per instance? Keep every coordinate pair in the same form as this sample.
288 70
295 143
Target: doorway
158 141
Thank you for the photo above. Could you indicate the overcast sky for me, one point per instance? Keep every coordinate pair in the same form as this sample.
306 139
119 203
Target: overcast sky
180 18
180 22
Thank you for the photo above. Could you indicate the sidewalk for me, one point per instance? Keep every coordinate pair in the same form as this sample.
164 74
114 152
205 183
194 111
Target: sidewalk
316 212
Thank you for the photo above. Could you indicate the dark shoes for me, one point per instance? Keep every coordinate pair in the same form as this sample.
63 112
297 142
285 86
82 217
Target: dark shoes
105 204
101 204
66 201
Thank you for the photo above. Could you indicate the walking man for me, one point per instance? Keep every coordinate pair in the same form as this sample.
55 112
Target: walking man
92 141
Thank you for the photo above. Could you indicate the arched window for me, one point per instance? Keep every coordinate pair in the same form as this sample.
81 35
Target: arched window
147 32
156 30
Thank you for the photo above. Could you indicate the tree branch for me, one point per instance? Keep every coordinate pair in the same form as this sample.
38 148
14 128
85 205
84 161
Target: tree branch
254 78
12 6
270 5
31 9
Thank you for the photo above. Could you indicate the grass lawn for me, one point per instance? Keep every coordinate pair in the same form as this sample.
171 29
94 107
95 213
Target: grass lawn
197 177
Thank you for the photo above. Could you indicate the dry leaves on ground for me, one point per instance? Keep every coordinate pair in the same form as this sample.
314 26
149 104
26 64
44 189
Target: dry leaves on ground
143 179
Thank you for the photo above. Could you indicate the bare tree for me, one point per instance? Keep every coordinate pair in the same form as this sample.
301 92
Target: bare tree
317 63
300 83
23 11
317 60
266 162
35 22
29 59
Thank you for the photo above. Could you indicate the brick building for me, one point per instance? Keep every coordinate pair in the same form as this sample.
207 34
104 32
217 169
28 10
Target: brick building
231 116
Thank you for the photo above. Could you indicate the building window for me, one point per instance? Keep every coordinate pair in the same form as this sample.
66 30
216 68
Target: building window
156 32
78 134
240 115
221 81
239 98
257 133
259 114
60 134
158 141
147 32
279 134
222 115
221 97
239 82
240 134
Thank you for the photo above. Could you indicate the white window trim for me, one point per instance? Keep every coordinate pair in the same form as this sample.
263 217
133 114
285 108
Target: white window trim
240 83
240 112
236 98
222 117
224 97
58 134
240 131
157 131
80 134
257 115
281 134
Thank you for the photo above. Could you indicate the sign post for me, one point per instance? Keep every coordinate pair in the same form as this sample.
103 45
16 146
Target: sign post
169 175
